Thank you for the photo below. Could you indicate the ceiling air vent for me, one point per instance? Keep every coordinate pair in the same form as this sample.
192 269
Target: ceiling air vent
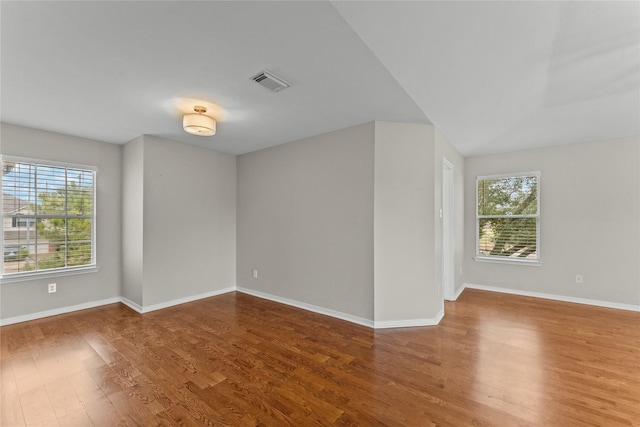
270 81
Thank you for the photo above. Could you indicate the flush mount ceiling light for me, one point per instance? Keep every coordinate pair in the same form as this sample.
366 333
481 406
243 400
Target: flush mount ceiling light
198 123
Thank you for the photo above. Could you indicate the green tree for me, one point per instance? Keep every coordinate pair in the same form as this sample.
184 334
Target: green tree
67 225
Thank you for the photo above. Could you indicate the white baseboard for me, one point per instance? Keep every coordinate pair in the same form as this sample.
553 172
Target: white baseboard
132 305
309 307
343 316
459 292
385 324
167 304
57 311
607 304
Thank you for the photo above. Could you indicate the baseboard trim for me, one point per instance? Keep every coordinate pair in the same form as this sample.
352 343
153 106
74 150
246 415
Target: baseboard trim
57 311
459 292
386 324
309 307
598 303
409 323
132 305
149 308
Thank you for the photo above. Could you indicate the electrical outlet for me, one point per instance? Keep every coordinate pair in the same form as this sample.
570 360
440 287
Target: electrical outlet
579 278
52 288
255 274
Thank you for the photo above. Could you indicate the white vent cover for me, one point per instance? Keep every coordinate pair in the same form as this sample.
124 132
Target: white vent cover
270 81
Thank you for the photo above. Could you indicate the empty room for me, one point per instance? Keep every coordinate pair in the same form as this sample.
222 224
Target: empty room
320 213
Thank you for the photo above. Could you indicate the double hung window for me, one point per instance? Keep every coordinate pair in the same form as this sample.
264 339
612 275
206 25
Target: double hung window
48 216
508 217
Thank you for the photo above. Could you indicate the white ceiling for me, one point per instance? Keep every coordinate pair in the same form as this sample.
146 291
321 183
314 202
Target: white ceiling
499 76
493 76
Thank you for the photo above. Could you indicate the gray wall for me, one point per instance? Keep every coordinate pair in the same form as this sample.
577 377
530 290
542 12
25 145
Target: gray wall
305 221
590 221
179 221
404 218
27 297
132 220
189 221
348 221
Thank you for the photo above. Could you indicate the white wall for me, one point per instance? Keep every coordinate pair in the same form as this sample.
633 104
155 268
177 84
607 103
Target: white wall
404 224
305 221
189 221
27 297
179 227
132 219
590 221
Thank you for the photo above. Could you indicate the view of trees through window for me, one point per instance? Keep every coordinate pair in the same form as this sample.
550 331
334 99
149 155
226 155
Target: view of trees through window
507 216
48 217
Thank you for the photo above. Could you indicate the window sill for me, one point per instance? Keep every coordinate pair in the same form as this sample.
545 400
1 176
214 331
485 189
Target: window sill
49 274
513 261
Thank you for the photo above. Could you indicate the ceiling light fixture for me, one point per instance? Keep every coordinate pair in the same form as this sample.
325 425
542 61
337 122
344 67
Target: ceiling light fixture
198 123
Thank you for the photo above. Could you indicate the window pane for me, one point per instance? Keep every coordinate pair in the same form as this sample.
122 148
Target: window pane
79 241
52 230
508 237
79 229
20 243
79 192
18 258
78 253
18 194
53 257
50 182
508 196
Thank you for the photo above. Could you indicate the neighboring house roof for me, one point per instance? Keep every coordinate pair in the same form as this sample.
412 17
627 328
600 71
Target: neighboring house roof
11 204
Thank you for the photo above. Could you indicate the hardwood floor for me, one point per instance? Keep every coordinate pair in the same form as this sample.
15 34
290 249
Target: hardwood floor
237 360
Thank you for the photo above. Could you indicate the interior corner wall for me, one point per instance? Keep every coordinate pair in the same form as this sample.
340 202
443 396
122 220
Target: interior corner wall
132 220
305 221
30 296
445 150
590 221
188 219
404 216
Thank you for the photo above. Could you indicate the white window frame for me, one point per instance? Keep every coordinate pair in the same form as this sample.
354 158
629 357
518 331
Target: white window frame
507 260
61 271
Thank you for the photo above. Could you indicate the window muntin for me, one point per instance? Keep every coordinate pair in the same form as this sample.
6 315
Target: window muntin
508 217
48 217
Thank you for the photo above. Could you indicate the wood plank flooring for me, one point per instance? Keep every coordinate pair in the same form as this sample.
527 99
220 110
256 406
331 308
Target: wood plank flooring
237 360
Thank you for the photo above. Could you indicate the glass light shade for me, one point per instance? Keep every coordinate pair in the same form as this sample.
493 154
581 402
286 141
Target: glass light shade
199 124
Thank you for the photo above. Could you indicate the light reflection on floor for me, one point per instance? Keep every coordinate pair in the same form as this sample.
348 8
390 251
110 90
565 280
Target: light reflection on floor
522 375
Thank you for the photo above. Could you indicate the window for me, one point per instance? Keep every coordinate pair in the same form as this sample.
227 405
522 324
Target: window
508 217
48 217
17 221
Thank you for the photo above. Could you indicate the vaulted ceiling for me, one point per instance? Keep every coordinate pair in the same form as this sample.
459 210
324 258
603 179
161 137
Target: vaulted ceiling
493 76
